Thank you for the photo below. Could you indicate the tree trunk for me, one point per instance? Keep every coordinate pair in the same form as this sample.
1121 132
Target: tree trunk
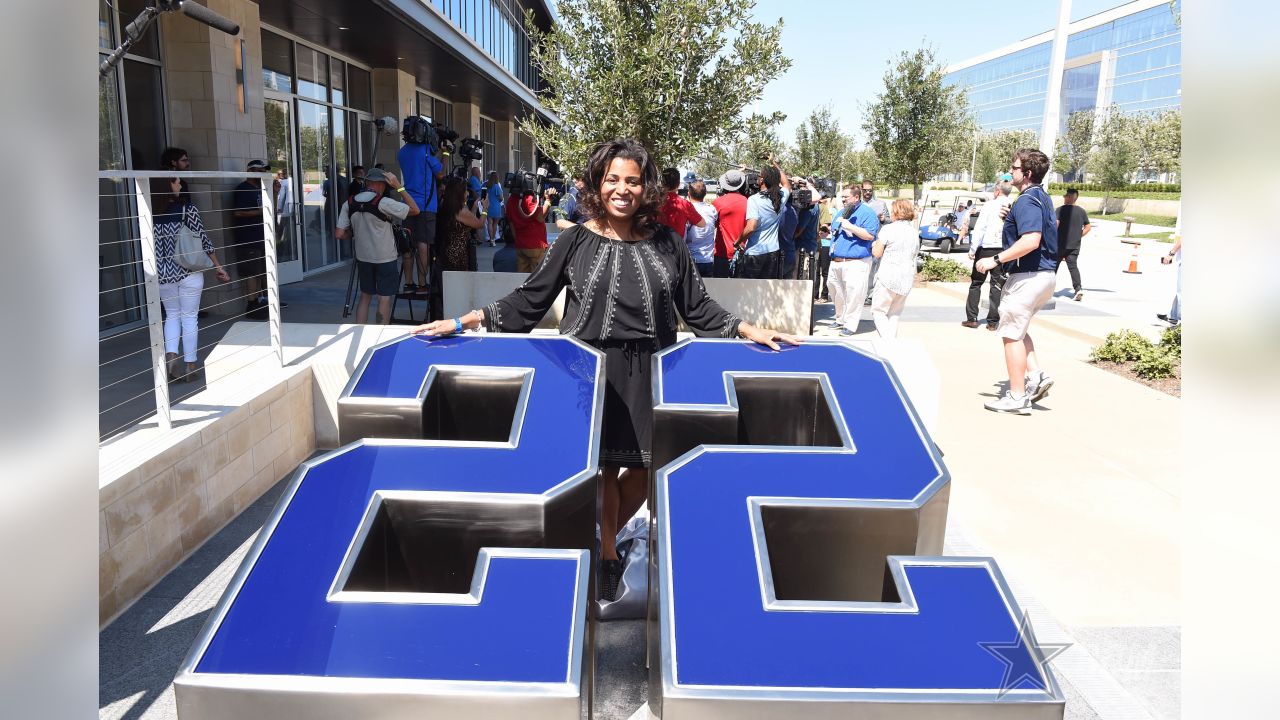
915 192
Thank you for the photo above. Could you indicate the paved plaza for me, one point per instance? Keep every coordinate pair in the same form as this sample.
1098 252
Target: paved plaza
1087 540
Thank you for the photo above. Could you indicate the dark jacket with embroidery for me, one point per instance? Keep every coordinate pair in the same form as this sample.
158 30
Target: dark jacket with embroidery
615 291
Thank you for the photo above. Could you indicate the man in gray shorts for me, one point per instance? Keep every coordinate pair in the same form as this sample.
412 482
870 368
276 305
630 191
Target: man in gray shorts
368 215
1030 257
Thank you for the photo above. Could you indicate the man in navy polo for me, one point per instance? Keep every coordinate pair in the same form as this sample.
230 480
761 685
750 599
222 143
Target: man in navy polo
851 236
1030 257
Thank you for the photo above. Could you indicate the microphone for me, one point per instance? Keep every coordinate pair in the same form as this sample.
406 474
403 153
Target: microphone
203 14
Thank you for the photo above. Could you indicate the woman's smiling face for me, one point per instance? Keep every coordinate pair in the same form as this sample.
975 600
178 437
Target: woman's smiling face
622 188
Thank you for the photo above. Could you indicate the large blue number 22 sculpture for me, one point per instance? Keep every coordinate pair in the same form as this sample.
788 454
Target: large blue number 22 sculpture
793 476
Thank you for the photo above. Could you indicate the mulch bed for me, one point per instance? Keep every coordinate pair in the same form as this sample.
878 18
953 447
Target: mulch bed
1169 386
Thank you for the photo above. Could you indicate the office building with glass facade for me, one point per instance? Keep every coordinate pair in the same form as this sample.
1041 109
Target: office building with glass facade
301 86
1129 56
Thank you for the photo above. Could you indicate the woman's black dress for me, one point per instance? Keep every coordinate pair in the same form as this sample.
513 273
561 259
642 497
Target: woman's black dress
622 298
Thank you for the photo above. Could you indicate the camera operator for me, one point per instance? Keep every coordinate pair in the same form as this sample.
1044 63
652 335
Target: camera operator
422 172
528 219
763 258
806 231
570 212
368 215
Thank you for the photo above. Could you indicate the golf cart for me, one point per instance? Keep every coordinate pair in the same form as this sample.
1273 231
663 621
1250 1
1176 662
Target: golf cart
938 225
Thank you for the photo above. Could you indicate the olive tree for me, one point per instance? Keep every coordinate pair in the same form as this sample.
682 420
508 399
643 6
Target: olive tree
673 74
918 125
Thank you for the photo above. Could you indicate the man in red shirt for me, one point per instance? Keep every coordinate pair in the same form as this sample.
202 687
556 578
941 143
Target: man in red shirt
676 212
528 221
732 207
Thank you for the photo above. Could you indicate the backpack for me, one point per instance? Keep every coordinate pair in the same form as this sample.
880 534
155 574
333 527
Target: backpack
402 233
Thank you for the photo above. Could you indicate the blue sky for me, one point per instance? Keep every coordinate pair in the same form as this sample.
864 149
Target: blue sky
839 49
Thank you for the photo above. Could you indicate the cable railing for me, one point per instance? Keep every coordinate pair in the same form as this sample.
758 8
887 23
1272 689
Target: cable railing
141 287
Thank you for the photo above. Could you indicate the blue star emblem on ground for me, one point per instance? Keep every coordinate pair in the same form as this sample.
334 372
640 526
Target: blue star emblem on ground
1025 661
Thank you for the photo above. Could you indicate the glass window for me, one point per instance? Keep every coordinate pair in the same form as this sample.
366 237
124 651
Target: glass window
337 74
313 73
149 44
277 62
424 105
110 138
146 114
488 135
105 35
443 113
358 85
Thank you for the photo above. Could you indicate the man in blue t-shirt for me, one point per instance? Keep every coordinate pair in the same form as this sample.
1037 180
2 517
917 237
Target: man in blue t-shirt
851 236
787 240
1030 257
421 172
763 258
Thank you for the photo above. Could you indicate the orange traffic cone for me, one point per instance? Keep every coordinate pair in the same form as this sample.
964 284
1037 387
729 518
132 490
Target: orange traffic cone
1133 259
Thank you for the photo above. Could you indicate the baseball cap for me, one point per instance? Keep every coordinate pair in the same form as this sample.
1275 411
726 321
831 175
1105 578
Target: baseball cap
1007 177
732 180
257 166
375 175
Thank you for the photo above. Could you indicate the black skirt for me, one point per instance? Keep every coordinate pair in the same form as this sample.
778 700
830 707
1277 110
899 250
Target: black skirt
628 402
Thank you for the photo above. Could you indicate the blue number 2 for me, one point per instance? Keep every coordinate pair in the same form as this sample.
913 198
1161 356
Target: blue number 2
772 595
328 616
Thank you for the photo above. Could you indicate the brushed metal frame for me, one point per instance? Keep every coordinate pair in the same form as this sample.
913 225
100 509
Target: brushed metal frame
408 410
233 696
672 700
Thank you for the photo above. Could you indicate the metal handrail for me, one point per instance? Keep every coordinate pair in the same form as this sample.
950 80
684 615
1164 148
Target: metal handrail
151 279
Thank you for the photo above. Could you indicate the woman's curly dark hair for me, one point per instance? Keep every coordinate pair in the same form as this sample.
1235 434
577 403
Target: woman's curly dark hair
645 219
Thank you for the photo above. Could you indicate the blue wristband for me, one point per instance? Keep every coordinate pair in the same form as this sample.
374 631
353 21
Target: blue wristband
457 325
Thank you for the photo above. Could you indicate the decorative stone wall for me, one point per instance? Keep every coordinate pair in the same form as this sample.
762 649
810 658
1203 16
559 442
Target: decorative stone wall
156 514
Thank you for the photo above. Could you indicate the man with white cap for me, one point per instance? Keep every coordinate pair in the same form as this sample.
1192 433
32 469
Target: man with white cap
731 209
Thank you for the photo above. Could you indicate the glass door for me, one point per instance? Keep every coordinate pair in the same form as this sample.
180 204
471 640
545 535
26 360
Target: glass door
288 222
319 245
338 182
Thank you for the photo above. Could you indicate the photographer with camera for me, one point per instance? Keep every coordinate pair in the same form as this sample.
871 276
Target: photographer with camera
528 217
806 203
763 252
422 172
368 216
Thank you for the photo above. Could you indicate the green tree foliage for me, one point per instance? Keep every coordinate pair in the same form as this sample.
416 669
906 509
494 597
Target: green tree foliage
1071 155
1115 158
755 137
995 151
822 148
918 126
673 74
860 165
1157 141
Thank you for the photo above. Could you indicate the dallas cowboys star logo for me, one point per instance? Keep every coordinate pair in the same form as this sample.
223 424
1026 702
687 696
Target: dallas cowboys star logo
1025 661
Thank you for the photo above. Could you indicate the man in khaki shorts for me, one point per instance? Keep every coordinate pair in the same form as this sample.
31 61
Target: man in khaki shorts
1030 257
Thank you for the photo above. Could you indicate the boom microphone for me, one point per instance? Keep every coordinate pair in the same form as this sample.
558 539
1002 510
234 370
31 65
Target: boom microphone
203 14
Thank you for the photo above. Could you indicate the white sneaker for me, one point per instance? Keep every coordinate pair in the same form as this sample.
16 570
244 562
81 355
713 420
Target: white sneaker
1037 386
1007 403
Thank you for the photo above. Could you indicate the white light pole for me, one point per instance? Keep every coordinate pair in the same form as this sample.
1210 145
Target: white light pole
1057 63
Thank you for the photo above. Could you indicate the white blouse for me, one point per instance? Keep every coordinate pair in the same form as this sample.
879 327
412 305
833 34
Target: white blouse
898 264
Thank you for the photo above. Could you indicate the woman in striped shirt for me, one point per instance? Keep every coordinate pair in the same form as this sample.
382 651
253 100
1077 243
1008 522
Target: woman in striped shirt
179 288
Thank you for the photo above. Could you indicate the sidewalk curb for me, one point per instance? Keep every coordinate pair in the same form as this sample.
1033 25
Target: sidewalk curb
1040 321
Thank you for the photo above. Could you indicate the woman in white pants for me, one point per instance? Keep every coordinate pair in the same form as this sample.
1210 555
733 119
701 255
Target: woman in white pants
896 246
179 288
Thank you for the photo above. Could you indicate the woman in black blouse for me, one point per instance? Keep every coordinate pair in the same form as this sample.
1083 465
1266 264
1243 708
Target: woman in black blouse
627 278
